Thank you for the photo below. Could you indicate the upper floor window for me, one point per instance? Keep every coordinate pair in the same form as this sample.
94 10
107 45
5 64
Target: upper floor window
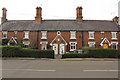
26 35
114 35
4 35
73 46
58 33
15 34
44 34
91 35
102 35
73 34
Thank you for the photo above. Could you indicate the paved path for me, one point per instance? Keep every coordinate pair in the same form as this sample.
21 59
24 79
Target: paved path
59 69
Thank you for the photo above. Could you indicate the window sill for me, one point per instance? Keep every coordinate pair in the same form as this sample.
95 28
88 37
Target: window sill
43 38
72 49
91 38
25 38
72 38
114 38
4 38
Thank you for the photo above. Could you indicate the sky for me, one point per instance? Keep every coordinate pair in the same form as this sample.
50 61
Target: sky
60 9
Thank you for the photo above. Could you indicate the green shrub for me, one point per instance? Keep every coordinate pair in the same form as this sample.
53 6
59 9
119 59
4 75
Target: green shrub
93 53
15 51
4 41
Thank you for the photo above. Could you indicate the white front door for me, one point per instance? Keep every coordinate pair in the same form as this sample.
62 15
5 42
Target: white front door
61 48
55 48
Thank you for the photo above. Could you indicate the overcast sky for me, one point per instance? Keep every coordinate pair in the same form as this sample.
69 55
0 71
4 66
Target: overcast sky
60 9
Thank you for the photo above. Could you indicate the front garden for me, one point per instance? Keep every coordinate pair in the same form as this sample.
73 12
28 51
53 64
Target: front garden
93 53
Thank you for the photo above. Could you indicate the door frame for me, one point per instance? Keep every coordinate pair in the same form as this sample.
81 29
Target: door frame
60 48
56 49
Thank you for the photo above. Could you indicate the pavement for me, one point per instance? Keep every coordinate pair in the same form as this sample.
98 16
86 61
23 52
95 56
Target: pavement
66 59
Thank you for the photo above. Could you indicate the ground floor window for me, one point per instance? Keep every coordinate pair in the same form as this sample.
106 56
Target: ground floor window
73 46
91 44
43 45
114 45
26 44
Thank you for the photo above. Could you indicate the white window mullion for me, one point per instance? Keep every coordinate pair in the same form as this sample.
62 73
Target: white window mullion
114 35
44 34
26 34
72 46
72 34
4 35
91 35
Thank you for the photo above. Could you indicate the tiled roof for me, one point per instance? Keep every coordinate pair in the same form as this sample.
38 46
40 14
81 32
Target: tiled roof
61 25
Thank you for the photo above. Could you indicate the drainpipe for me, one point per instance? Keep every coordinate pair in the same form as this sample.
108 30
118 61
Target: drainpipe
82 40
37 39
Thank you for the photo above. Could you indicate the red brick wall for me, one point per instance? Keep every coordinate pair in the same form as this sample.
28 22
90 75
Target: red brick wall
66 35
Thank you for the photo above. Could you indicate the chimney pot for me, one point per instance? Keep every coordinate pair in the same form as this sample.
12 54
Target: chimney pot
38 17
4 14
79 14
115 19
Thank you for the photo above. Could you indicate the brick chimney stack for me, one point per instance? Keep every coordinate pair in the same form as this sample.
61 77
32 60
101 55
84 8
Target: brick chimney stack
4 14
79 14
115 19
38 17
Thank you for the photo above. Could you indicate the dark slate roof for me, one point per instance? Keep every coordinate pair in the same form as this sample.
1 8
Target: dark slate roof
61 25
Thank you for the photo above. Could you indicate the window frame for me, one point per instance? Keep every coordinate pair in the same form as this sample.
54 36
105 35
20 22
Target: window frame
72 45
45 35
90 43
114 38
116 45
4 32
72 33
102 35
15 34
26 32
92 34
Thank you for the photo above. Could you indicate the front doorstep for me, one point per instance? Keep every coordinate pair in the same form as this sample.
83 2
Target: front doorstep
58 56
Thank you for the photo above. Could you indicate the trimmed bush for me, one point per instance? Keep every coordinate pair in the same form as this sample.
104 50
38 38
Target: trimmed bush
94 53
4 41
11 51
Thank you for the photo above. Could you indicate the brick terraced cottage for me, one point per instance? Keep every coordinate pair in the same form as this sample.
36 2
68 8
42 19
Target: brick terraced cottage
61 35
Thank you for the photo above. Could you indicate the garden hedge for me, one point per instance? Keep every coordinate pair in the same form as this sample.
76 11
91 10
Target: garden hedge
10 51
94 53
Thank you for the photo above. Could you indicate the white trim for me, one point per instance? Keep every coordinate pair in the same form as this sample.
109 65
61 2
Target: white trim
44 42
25 33
56 37
15 32
91 42
115 36
45 34
92 33
104 40
74 33
101 35
57 33
5 33
26 41
70 46
102 32
11 39
116 44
